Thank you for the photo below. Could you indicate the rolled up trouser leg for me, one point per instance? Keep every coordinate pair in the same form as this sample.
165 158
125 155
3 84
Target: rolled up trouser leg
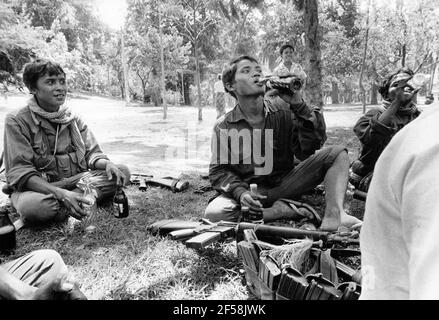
305 176
38 267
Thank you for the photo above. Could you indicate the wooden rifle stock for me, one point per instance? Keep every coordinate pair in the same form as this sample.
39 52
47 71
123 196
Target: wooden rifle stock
175 185
182 230
294 233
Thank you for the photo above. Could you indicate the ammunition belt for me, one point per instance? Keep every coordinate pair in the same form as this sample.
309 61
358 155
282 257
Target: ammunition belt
268 281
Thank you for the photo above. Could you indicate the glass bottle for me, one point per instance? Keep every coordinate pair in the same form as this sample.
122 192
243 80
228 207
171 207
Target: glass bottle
120 203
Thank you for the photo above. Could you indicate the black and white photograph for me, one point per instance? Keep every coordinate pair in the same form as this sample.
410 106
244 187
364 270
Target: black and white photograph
235 151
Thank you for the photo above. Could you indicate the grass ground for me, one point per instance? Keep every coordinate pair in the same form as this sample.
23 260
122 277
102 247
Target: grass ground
121 260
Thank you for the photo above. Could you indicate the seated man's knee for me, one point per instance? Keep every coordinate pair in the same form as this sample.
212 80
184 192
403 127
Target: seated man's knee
48 265
212 214
35 208
341 156
222 208
52 259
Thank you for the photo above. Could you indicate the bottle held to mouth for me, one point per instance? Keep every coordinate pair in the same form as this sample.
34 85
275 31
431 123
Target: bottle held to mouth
291 84
417 81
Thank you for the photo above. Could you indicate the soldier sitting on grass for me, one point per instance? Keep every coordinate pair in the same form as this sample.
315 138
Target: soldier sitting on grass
377 127
257 141
48 149
39 275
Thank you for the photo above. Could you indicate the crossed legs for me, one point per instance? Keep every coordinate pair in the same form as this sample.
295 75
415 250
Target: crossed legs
38 208
329 165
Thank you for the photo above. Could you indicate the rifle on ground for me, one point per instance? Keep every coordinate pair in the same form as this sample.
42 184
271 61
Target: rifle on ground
199 235
143 180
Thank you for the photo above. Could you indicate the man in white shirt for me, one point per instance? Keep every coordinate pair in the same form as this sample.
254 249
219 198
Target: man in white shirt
399 238
287 66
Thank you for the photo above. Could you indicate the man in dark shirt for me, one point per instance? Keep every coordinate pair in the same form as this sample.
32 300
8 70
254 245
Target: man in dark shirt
377 127
256 143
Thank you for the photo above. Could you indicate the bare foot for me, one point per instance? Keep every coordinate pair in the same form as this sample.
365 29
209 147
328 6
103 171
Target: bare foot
331 221
335 218
286 210
350 221
280 210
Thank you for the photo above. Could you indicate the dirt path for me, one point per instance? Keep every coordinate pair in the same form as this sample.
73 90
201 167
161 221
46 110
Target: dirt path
140 138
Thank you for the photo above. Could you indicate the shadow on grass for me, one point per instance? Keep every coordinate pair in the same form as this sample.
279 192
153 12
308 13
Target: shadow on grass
121 260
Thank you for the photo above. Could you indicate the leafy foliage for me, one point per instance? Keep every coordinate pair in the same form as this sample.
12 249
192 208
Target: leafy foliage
400 33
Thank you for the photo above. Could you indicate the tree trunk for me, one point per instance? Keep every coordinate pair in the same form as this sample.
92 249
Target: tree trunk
374 94
404 54
143 86
198 81
108 80
187 97
334 93
363 65
348 97
182 88
125 71
162 65
212 90
313 52
432 72
241 30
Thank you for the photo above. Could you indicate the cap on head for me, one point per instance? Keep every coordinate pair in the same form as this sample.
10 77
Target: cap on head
384 88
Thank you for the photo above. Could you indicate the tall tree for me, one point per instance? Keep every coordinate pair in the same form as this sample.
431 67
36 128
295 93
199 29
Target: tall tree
195 22
146 46
313 52
363 65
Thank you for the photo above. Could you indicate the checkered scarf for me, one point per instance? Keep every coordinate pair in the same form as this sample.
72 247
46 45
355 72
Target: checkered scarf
408 109
64 116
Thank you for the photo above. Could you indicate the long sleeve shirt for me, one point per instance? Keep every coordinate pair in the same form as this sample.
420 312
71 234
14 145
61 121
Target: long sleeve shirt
263 156
29 143
375 136
399 237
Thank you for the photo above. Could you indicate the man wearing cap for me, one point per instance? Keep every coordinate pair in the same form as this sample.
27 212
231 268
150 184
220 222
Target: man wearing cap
376 128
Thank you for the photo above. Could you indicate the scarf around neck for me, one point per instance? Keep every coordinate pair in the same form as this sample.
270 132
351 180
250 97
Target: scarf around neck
63 116
408 109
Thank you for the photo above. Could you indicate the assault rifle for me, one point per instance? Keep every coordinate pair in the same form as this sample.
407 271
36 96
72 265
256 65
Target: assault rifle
199 235
143 180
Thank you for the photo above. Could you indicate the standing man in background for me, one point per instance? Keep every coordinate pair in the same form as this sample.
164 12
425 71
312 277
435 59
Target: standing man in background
220 104
287 66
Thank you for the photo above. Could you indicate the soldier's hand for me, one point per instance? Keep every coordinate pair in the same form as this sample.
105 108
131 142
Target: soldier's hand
402 92
58 289
113 170
252 201
72 201
291 98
